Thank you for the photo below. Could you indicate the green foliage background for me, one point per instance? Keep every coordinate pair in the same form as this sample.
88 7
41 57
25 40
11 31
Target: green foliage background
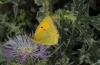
79 42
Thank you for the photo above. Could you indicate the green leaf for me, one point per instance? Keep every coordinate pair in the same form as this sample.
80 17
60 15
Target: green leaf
45 10
42 62
2 58
21 16
97 63
5 1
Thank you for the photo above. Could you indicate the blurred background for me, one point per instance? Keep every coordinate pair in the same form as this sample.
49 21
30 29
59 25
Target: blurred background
78 23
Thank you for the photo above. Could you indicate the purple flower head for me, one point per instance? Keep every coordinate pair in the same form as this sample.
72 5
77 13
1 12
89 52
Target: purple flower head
22 49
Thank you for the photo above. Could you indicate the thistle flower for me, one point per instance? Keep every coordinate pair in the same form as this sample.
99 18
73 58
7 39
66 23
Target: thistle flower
23 49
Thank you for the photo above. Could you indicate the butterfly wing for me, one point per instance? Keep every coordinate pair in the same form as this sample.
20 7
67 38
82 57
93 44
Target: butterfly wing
46 33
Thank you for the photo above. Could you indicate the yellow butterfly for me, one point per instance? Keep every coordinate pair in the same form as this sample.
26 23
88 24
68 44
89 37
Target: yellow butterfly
46 33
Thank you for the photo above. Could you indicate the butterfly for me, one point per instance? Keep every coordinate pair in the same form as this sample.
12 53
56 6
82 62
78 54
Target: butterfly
46 33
